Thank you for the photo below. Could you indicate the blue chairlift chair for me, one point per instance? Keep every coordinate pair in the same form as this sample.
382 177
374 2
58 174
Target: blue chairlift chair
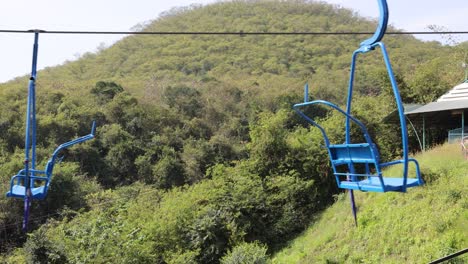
346 157
357 166
40 179
29 183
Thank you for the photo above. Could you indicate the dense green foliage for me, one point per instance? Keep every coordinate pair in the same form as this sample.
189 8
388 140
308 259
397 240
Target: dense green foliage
198 154
246 253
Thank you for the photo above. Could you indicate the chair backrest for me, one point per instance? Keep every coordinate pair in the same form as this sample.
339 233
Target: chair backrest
354 153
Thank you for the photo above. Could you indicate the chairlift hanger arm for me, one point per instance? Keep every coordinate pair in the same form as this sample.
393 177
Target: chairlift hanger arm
356 121
382 27
75 141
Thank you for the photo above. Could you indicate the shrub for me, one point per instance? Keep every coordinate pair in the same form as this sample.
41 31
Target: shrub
246 253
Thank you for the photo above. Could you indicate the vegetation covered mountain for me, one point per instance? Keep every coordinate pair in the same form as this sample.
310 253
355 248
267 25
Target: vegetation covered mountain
198 154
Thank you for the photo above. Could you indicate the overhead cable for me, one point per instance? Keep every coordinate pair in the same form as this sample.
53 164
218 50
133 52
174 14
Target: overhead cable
238 33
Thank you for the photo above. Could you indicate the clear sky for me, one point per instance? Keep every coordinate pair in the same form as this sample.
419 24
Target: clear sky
122 15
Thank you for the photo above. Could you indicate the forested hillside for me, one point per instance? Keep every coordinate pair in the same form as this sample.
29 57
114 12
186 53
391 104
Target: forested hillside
197 149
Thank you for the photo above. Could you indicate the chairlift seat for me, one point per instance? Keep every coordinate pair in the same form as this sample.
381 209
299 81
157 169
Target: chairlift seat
365 153
18 191
372 184
17 188
357 166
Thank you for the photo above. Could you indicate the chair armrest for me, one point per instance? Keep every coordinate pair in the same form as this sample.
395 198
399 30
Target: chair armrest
418 170
22 172
31 178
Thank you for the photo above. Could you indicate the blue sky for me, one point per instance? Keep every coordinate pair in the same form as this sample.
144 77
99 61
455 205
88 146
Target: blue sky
122 15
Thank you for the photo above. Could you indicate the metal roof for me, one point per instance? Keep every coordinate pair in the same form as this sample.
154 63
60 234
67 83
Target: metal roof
411 107
455 99
459 92
440 106
441 112
393 117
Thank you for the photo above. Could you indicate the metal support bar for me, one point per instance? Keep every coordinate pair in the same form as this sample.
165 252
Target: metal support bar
416 133
451 256
463 124
306 93
30 140
424 133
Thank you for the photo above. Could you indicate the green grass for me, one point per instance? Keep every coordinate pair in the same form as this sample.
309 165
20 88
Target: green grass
424 224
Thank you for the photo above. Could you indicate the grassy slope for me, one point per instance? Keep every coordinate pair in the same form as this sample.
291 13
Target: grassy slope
424 224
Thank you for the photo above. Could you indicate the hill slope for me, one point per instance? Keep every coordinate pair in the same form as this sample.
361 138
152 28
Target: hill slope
142 225
144 64
197 148
424 224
